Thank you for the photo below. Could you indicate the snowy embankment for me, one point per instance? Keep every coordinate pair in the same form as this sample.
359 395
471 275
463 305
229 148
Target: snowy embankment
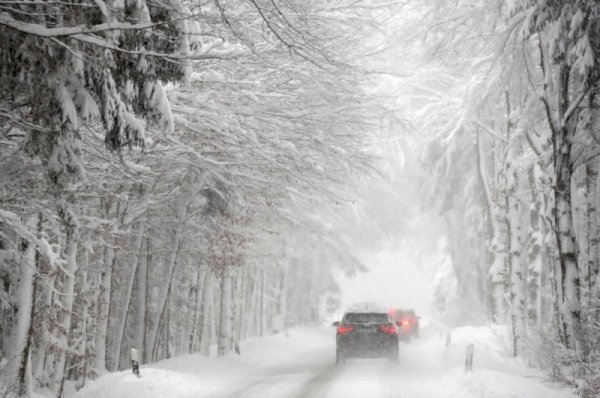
199 376
301 364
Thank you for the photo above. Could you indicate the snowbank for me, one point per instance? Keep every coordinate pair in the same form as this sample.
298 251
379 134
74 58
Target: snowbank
199 376
495 372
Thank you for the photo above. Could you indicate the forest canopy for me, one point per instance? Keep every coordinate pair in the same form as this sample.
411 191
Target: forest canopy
171 157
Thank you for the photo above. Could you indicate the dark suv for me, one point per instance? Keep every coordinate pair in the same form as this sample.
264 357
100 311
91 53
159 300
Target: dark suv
366 335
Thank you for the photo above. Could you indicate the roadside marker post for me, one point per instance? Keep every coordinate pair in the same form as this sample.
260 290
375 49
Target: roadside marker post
448 340
469 359
135 362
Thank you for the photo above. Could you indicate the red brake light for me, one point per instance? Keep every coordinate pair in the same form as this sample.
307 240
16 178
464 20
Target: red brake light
389 329
345 329
405 323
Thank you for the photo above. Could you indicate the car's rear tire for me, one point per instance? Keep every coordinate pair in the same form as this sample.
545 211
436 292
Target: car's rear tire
340 358
394 357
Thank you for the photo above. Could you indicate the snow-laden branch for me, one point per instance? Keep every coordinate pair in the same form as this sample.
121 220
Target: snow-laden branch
573 107
39 30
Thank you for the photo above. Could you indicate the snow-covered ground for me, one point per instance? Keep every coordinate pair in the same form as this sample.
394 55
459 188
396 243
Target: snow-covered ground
301 364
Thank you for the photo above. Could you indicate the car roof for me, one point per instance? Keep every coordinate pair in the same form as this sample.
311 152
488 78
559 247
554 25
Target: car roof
396 309
366 312
366 307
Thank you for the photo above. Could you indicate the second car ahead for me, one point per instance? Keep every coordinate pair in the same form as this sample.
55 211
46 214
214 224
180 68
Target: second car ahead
407 321
366 335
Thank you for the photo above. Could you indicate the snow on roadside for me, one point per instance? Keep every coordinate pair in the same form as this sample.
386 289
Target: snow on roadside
495 372
154 383
199 376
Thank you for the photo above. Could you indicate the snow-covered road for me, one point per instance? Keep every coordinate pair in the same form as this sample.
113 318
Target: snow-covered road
301 364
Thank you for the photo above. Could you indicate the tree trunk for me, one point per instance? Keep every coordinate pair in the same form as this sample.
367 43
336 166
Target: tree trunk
280 323
567 242
568 255
20 340
239 292
68 296
143 319
592 170
166 291
263 302
249 307
194 332
122 323
103 307
535 244
593 232
256 303
514 219
206 314
40 373
226 315
140 322
83 345
495 258
104 295
516 266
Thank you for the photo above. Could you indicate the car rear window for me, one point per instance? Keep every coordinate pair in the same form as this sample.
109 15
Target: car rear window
366 317
398 314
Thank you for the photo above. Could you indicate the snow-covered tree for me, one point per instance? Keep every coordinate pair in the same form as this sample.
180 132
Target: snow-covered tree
505 96
230 128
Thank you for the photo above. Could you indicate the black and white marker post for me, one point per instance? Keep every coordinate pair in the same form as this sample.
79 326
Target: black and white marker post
135 363
469 359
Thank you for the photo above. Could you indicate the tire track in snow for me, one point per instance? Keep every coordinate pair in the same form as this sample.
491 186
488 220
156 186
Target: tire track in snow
282 382
318 385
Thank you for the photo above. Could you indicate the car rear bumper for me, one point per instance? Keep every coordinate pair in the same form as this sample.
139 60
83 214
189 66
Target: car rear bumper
382 347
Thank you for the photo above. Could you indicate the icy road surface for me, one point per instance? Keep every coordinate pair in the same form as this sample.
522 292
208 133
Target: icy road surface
301 364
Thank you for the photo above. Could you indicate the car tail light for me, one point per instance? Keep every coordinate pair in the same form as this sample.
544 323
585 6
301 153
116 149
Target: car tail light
345 329
389 329
405 323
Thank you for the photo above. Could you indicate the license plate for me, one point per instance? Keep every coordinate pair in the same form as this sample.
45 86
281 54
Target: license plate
366 331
